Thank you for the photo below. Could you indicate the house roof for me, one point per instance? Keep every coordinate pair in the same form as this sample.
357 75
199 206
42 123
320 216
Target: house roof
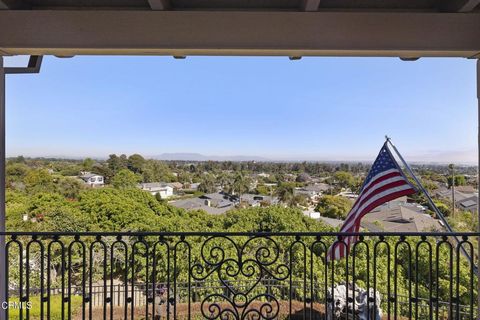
199 204
149 185
466 189
317 187
468 203
215 196
89 175
331 222
176 185
257 198
447 193
399 218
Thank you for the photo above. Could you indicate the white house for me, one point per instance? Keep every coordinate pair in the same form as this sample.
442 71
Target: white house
92 179
163 189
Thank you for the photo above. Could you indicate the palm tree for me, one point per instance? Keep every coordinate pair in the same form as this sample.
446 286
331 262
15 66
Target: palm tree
207 184
241 184
225 182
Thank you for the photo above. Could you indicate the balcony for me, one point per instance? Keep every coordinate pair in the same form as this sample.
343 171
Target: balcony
238 275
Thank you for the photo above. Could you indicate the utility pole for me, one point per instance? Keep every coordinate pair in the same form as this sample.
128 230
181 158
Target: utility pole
452 171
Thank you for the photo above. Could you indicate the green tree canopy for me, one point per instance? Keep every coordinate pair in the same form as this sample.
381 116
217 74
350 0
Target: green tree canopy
136 163
241 183
88 164
285 192
334 207
116 163
16 171
38 180
207 184
69 187
459 181
125 179
345 179
444 208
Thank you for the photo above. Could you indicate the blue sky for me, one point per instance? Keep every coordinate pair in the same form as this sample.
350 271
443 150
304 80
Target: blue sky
312 109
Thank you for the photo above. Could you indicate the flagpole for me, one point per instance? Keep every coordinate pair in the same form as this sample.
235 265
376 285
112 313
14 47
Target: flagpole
430 201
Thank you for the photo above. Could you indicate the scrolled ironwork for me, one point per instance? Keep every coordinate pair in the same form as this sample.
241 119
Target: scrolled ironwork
241 276
226 261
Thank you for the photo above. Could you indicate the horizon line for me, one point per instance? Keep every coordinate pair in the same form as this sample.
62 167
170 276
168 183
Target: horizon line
240 158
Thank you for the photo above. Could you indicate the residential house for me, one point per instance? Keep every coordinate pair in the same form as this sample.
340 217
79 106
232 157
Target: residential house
177 186
162 189
460 193
402 201
348 194
465 197
399 217
219 200
92 179
191 186
256 200
468 204
313 191
213 203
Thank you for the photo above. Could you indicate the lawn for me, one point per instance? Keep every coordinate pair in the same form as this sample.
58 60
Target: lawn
55 308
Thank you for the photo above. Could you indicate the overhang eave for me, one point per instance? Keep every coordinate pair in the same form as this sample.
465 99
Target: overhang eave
181 33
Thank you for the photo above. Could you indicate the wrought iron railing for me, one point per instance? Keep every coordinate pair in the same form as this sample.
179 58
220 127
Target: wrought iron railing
237 275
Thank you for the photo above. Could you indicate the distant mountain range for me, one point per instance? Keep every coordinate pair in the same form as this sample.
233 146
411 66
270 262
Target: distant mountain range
201 157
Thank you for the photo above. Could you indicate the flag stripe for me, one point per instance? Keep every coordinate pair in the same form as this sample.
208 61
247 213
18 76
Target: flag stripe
378 202
373 206
379 199
381 191
379 180
395 181
373 179
379 177
384 182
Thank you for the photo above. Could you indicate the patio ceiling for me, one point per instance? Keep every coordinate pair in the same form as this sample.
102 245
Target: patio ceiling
403 28
274 5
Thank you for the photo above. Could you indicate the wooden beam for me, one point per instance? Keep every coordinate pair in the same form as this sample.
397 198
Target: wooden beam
34 65
13 5
310 5
159 4
183 33
458 5
469 5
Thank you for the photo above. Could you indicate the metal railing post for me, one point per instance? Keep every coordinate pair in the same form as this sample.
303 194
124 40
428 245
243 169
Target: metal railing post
3 280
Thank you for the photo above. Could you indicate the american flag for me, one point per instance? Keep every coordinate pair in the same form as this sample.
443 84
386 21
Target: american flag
385 181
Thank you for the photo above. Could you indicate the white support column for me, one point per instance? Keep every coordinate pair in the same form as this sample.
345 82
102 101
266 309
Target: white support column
3 280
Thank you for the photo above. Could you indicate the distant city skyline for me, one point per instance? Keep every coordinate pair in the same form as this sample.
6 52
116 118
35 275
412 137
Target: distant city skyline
324 109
